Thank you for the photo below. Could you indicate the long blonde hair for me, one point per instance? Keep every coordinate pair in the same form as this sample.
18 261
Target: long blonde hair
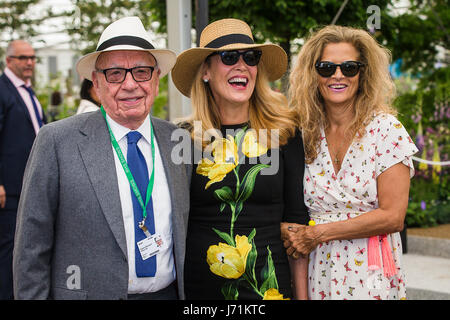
268 109
375 93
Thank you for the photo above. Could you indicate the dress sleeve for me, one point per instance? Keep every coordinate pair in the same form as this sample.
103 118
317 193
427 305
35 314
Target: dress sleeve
393 145
294 167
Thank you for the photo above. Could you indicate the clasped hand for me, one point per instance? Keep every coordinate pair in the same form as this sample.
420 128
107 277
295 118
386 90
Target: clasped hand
299 239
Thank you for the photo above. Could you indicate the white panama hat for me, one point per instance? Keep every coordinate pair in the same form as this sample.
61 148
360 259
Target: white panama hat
126 34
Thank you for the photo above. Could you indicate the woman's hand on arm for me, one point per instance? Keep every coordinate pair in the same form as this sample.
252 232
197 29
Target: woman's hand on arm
299 239
393 191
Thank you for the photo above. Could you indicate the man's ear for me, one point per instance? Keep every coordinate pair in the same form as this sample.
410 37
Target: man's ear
157 81
94 77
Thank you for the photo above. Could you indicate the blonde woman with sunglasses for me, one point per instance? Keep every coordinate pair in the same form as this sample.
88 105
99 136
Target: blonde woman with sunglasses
247 182
358 166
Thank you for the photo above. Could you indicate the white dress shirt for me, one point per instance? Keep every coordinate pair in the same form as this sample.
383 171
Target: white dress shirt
165 267
17 82
86 106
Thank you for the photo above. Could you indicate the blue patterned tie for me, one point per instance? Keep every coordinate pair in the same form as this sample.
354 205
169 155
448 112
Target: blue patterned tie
35 107
138 167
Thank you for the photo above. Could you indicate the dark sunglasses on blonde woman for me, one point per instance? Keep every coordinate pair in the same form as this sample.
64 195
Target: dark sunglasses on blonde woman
229 58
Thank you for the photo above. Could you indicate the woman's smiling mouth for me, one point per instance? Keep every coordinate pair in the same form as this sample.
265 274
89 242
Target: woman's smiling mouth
238 82
337 87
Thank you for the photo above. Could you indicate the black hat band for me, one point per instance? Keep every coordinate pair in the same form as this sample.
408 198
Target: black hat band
127 40
229 39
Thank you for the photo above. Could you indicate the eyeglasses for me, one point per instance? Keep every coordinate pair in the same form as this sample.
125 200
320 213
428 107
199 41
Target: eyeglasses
118 75
229 58
348 68
24 58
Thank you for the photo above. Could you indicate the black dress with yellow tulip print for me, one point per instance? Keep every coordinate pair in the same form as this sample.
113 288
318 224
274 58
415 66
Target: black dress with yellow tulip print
234 250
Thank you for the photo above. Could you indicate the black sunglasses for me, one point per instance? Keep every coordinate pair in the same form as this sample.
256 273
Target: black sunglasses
348 68
251 57
24 58
118 75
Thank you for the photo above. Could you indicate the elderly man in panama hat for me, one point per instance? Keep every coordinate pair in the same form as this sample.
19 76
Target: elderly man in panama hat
104 209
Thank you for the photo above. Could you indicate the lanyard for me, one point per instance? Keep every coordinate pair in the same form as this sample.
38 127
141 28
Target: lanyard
127 171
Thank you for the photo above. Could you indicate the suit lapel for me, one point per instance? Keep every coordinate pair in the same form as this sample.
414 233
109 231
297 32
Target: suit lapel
96 151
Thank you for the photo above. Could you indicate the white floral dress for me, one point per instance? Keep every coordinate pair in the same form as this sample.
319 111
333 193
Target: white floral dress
338 269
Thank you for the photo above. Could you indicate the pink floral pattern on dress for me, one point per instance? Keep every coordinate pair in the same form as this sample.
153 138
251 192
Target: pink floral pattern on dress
338 269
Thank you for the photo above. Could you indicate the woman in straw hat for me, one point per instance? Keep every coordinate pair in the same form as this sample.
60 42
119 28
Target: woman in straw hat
358 166
246 182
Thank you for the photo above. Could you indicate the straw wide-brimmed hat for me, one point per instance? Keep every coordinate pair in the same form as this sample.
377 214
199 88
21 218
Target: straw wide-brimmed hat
126 34
224 35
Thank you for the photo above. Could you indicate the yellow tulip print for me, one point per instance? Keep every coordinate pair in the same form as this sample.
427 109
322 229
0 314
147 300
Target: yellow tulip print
225 150
225 160
236 258
250 147
227 261
215 172
204 166
273 294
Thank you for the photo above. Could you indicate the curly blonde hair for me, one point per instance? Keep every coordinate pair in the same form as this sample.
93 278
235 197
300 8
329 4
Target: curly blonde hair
375 93
268 110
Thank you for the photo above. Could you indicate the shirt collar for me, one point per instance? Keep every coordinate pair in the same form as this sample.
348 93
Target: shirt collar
120 131
17 82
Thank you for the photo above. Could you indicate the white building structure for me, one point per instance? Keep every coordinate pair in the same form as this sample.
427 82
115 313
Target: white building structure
56 61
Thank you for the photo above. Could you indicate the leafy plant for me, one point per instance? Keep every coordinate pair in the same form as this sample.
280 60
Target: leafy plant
425 112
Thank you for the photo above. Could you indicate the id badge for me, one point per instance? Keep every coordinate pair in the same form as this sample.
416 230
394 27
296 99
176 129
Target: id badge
150 246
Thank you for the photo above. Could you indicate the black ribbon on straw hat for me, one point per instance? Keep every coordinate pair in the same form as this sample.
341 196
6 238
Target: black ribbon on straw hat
228 39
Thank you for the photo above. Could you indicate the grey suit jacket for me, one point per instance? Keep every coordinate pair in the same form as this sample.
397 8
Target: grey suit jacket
69 221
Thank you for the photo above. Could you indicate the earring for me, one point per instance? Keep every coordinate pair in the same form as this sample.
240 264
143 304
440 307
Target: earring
205 81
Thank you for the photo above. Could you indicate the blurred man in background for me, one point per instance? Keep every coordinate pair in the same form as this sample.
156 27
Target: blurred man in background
21 117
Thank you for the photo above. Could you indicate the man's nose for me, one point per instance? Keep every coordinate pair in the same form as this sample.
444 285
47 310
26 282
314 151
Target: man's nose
129 82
